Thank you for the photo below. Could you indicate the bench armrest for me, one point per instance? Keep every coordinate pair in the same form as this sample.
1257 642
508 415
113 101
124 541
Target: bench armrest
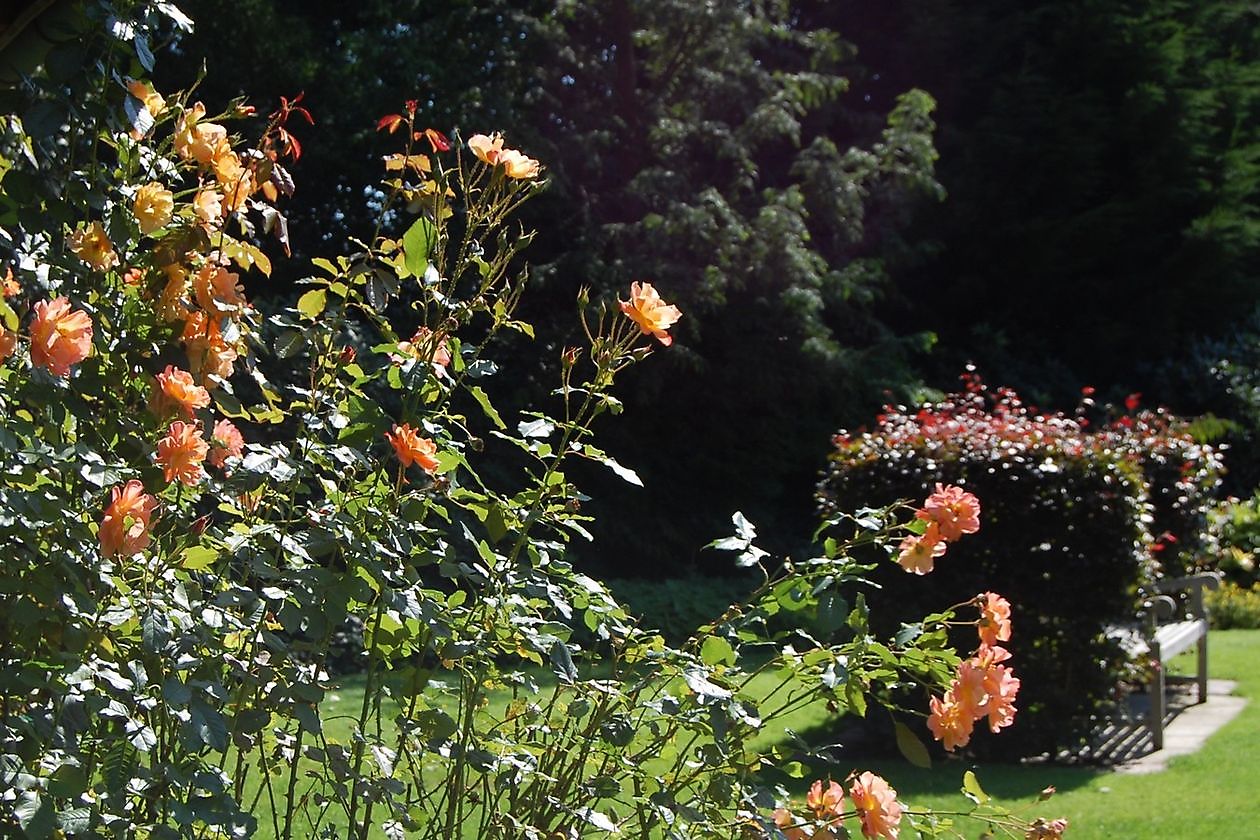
1193 586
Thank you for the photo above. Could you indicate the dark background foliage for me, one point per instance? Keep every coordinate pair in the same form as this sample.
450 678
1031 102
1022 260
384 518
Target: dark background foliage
773 168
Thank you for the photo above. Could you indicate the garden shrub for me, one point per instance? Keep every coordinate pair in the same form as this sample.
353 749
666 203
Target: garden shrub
186 536
1234 607
1076 519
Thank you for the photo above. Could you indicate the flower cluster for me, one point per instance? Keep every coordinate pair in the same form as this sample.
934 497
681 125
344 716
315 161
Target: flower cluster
983 687
949 513
874 803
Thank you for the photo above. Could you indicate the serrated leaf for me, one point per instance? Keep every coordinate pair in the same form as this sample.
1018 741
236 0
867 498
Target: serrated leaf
539 428
155 630
198 557
911 747
312 303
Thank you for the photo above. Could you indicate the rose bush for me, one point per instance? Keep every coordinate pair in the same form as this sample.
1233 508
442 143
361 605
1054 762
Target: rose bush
198 492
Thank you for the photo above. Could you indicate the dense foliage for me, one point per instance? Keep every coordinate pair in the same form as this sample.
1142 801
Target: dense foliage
1076 519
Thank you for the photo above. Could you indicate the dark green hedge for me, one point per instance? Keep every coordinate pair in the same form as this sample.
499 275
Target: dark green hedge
1069 518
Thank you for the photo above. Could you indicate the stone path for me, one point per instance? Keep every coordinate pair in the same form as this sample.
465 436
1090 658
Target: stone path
1126 744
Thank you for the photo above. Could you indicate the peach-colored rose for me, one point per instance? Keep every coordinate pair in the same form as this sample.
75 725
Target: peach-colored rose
415 347
487 149
208 206
153 101
652 314
517 165
995 618
218 290
176 391
59 338
954 510
171 305
877 806
413 449
91 245
208 353
950 721
125 527
8 343
918 553
825 802
235 180
196 140
181 453
154 205
11 286
225 442
1002 686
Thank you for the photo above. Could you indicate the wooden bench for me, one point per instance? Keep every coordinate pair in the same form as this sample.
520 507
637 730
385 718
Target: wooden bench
1174 619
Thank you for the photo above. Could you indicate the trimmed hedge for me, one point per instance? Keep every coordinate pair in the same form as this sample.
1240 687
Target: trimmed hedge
1074 520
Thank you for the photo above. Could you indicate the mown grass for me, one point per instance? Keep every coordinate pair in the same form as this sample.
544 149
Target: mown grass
1208 794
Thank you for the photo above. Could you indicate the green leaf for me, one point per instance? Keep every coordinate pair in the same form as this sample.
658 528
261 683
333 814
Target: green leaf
795 769
312 303
911 747
8 316
483 400
716 650
972 790
34 815
198 557
418 243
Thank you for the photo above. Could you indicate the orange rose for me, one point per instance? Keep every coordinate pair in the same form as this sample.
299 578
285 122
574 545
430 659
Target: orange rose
11 286
59 338
195 140
181 453
487 149
92 246
154 205
8 343
652 314
153 101
226 442
413 449
218 290
877 806
125 528
177 391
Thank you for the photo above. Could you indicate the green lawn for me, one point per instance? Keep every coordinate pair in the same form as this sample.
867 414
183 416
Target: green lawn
1209 794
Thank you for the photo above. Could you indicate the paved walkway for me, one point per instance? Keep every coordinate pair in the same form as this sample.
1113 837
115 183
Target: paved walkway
1126 744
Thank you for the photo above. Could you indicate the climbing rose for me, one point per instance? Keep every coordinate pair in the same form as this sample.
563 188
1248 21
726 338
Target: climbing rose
995 618
176 390
517 165
918 553
950 721
59 338
181 453
196 140
218 290
954 510
877 806
208 206
125 528
825 802
8 343
91 245
652 314
1002 686
413 449
154 205
225 442
441 354
487 149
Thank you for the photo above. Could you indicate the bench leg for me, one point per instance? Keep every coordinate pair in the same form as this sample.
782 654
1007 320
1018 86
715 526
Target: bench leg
1157 699
1203 670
